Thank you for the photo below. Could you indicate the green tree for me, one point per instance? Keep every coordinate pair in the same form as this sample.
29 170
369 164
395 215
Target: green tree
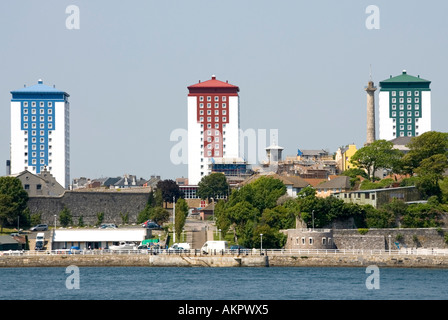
214 186
181 216
424 147
379 154
159 215
65 217
430 172
99 218
170 190
13 200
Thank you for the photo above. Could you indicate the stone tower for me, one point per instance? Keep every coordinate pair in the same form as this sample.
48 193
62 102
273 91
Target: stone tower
370 89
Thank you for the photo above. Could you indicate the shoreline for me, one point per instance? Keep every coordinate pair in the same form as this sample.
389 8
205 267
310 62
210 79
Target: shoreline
311 260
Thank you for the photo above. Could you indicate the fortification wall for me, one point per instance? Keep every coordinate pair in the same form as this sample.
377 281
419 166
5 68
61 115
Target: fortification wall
88 205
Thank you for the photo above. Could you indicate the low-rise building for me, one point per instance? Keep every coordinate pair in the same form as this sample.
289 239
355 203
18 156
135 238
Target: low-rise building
379 197
41 184
337 184
97 238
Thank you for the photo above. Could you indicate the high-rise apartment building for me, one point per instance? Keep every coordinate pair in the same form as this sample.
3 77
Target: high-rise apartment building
404 107
213 126
40 130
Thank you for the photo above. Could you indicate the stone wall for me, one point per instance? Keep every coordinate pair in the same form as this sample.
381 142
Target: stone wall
88 205
399 238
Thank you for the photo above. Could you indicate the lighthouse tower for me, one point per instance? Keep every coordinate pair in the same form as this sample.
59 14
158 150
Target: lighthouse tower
370 89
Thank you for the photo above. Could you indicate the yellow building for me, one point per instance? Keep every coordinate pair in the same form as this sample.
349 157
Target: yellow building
343 156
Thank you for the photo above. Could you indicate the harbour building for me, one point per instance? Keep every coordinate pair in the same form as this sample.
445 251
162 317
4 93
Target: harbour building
213 126
404 107
40 128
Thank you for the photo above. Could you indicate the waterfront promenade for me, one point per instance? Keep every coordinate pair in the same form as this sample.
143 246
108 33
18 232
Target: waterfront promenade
413 258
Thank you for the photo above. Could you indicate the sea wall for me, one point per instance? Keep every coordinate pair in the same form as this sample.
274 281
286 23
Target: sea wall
88 204
132 260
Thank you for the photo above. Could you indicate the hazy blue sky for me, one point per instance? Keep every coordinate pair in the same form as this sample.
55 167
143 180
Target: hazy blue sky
301 67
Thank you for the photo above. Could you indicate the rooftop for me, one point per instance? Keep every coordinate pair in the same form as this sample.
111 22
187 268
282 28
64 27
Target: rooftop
40 87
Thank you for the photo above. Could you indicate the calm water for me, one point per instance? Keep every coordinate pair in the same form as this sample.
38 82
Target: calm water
222 283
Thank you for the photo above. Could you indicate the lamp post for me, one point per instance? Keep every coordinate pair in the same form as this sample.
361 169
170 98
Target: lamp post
313 219
174 219
261 242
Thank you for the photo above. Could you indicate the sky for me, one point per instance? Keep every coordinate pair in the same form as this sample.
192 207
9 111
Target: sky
301 67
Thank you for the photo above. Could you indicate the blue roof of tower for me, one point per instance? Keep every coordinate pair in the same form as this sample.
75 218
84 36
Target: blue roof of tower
39 88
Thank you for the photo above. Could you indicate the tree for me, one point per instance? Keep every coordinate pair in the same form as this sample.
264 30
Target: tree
424 147
379 154
181 216
170 189
159 215
65 217
13 200
214 186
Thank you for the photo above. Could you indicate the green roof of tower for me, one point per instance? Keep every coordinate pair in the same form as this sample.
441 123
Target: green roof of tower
404 80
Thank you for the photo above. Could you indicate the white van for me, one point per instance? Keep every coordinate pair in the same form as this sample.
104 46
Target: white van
40 237
214 246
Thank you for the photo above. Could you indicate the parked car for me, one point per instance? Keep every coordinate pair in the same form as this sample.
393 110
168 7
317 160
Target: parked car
150 224
108 226
39 245
239 249
74 250
40 227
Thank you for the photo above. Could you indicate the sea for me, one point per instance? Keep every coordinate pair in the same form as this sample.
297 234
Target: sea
233 284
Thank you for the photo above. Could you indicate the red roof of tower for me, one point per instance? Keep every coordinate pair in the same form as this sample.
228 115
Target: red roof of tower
213 85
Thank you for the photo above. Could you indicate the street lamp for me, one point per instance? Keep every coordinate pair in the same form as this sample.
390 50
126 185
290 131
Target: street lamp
174 219
313 219
261 242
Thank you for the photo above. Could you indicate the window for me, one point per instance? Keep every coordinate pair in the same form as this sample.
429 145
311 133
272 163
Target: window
409 127
224 98
409 100
216 153
25 111
417 113
394 93
417 107
216 98
50 104
401 114
201 105
402 127
216 119
409 120
409 107
38 186
216 146
50 111
224 118
216 105
394 100
224 112
401 93
216 112
401 100
394 114
417 100
209 112
209 105
409 93
224 105
41 104
201 112
401 107
216 125
209 119
416 93
409 113
409 134
42 111
209 125
25 118
201 119
310 240
25 125
394 107
201 98
25 104
209 98
303 240
324 241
